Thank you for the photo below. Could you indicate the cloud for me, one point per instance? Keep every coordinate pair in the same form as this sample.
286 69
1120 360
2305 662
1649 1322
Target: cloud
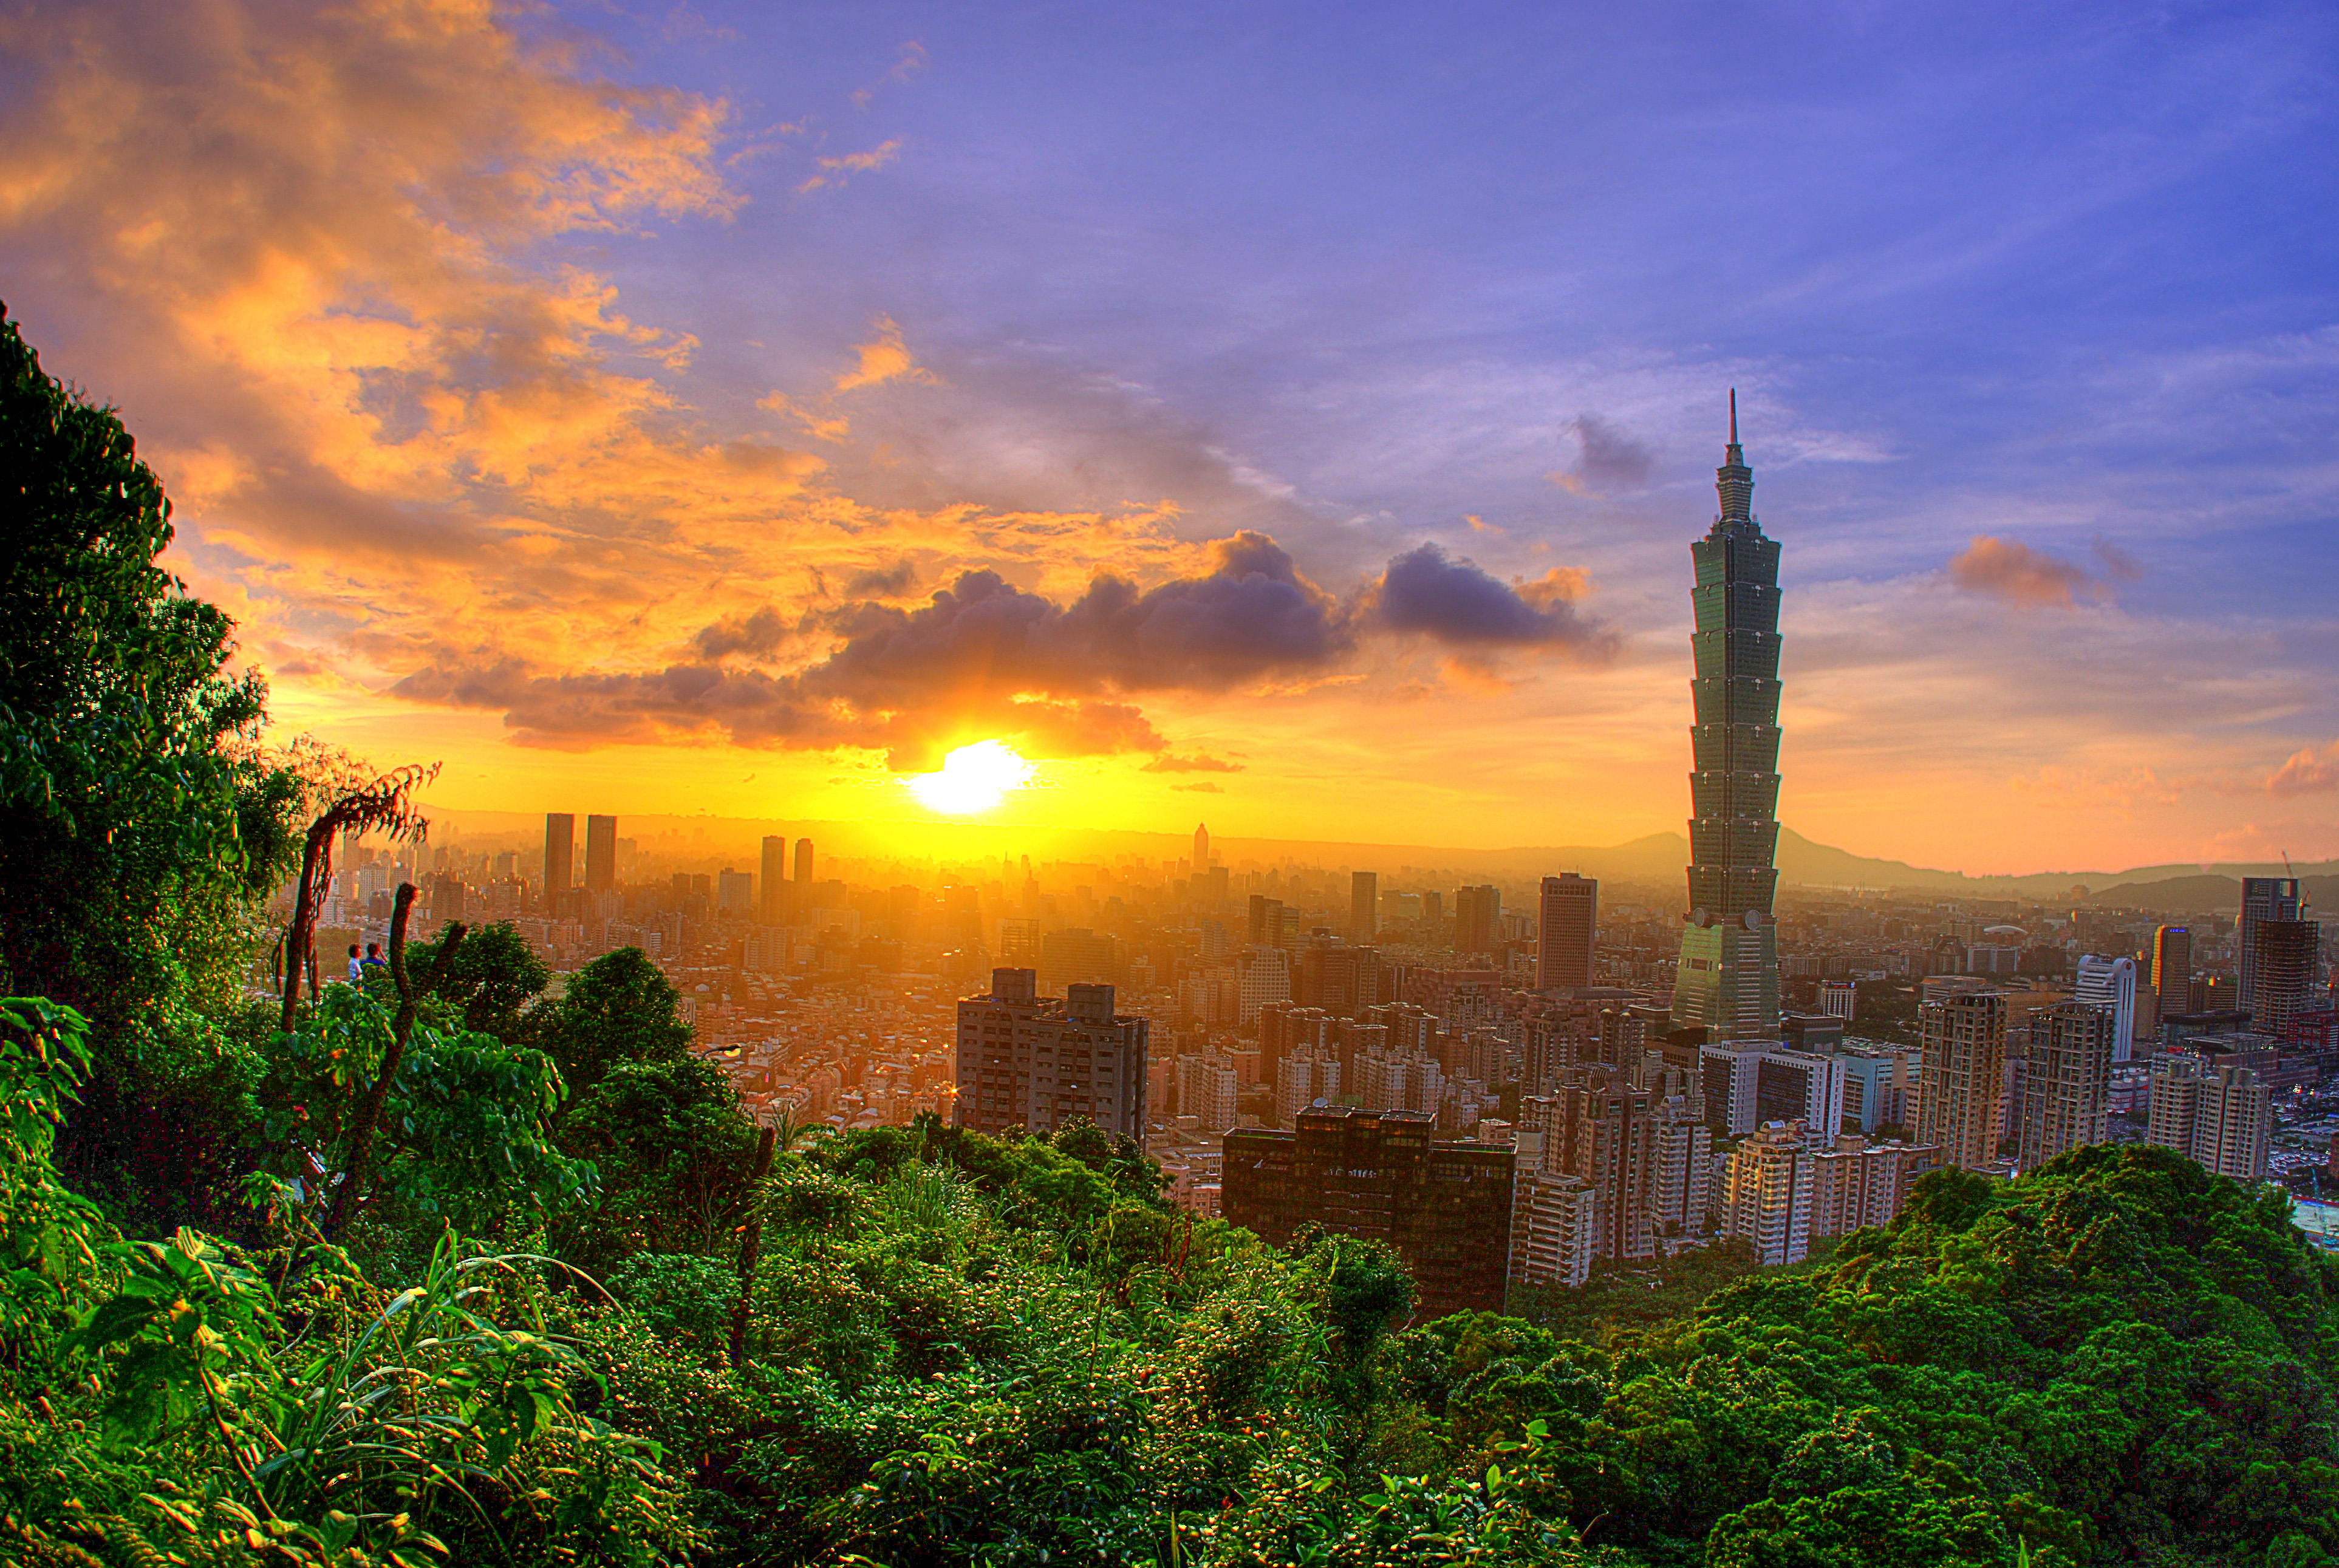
2307 771
884 582
1608 459
1203 788
913 61
839 171
1425 591
1200 762
2117 564
883 358
980 658
2011 570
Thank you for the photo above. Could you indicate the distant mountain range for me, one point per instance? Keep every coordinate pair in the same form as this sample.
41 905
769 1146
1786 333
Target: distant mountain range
1656 858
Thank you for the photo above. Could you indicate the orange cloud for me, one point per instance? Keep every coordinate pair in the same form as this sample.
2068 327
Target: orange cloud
2012 571
836 171
2306 771
883 359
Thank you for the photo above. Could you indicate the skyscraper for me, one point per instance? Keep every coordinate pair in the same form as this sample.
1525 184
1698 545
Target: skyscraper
2172 970
1477 919
2281 976
2067 1079
2109 984
1568 914
775 878
560 854
1201 846
600 853
2264 898
1728 982
803 863
1363 906
1963 1071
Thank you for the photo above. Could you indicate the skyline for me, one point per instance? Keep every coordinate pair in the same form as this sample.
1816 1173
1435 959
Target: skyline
605 381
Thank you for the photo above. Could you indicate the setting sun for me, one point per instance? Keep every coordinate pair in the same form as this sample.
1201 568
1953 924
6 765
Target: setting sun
973 779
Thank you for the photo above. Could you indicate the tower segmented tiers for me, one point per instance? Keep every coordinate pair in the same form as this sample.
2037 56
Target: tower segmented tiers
1729 976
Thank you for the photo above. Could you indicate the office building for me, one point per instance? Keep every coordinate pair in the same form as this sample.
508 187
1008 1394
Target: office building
2264 898
2067 1078
774 910
1804 1086
1077 957
1568 918
600 853
1961 1076
1840 998
2172 970
1032 1062
1477 919
1728 977
1766 1196
803 868
1265 923
1344 980
1201 847
2281 976
560 854
1363 906
735 890
2220 1116
1263 977
2109 984
1445 1207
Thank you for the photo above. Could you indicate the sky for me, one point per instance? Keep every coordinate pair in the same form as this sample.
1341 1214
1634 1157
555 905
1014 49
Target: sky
1291 417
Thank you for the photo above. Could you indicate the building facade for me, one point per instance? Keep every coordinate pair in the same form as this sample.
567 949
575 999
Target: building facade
1445 1207
2067 1088
1029 1062
2109 984
1962 1077
2221 1116
1728 977
1767 1194
1567 920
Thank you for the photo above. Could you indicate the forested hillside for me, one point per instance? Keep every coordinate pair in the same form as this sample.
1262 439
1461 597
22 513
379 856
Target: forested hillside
450 1269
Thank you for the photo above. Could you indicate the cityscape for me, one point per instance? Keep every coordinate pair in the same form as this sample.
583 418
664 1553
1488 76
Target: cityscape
922 785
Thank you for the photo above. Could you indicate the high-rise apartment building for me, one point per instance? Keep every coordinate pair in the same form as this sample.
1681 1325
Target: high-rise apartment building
1363 906
1477 919
2067 1078
1554 1225
2109 984
2172 970
1728 979
1032 1062
1682 1150
560 854
1206 1090
1445 1207
1858 1183
1305 1077
774 910
2221 1116
600 853
2264 898
1766 1197
1567 916
1963 1073
804 866
2282 974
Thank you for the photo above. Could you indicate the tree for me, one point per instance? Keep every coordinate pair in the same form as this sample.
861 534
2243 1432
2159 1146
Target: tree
493 977
673 1150
619 1008
140 828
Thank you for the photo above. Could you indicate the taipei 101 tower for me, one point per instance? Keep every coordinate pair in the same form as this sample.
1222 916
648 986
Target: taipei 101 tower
1729 976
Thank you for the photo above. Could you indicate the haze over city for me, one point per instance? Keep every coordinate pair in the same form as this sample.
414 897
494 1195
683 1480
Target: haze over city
1289 418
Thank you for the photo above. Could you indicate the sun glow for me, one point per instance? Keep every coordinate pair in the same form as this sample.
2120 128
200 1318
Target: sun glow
973 779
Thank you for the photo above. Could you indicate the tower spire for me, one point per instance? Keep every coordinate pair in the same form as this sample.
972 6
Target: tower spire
1734 481
1733 416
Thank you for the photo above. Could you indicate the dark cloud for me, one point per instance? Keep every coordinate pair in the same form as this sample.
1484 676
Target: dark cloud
1608 459
980 657
885 583
2117 564
1428 592
1200 762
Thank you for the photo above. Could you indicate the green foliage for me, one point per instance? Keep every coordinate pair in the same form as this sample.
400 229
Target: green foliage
492 976
673 1152
617 1009
466 1132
